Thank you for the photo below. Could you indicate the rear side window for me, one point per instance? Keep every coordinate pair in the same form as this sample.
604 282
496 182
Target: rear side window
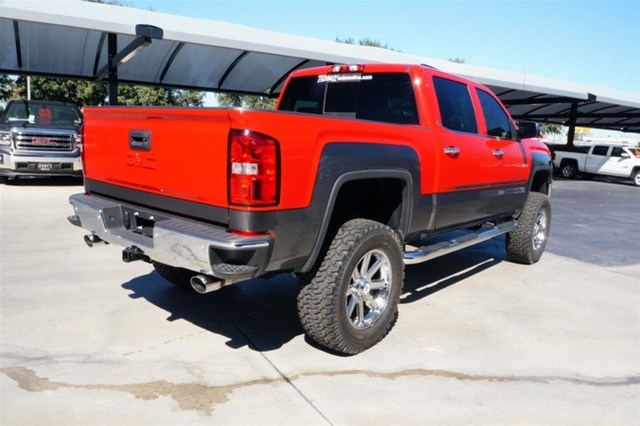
385 97
497 121
600 150
456 109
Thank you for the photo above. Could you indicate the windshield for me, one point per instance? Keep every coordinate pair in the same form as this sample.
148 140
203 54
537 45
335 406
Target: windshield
635 152
34 112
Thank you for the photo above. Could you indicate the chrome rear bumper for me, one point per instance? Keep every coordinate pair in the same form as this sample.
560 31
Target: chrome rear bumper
200 247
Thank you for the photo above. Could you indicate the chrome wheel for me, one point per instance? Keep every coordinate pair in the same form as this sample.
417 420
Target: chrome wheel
540 230
568 171
368 289
636 179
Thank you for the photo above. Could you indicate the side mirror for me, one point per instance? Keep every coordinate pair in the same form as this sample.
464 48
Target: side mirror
625 155
528 129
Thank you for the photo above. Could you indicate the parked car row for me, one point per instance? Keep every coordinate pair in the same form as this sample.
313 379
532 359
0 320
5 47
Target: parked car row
605 160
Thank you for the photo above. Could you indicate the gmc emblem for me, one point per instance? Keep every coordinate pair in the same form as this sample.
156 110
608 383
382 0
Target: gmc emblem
38 140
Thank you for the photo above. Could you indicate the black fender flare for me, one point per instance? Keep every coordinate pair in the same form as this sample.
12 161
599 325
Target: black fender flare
343 162
406 213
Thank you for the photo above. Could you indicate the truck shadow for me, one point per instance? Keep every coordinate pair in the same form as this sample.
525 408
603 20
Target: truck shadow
262 314
45 181
427 278
259 313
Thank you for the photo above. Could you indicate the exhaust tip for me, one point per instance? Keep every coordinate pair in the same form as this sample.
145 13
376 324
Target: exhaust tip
91 239
204 284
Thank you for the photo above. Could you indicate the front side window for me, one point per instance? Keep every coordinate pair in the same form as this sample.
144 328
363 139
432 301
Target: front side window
497 121
617 152
600 150
456 109
385 97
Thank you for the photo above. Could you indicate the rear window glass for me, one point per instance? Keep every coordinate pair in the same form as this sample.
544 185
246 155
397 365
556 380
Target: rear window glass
384 97
456 109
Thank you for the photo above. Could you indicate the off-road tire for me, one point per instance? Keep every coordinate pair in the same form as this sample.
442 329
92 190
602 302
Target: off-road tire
324 303
527 242
177 276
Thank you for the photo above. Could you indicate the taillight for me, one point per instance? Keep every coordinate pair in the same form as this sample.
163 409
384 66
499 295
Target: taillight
347 68
253 169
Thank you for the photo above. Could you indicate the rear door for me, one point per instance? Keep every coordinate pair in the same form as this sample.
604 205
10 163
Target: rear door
464 160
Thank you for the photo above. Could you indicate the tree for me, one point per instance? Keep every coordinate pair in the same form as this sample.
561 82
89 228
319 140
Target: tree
54 89
231 100
235 100
157 96
367 42
7 86
551 129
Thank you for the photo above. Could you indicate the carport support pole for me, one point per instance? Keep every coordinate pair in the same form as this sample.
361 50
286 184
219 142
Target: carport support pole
112 42
573 115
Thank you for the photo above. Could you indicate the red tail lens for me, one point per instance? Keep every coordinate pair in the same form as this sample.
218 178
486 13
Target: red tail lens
253 169
347 68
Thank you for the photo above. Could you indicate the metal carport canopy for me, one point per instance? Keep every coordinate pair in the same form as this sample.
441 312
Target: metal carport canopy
76 39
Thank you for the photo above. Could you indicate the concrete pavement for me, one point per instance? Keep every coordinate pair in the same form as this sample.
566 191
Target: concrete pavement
87 339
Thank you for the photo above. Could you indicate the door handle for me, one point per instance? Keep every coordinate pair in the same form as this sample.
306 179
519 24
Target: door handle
452 151
498 153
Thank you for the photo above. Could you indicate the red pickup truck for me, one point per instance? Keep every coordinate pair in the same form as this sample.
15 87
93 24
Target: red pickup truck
349 180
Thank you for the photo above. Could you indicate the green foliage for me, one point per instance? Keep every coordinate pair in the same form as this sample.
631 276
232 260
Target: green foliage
551 129
7 86
85 93
53 89
157 96
366 42
260 102
230 100
233 100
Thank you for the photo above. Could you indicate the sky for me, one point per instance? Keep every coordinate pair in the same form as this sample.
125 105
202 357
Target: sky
589 42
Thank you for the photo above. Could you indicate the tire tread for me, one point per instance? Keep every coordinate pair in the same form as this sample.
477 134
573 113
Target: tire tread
318 299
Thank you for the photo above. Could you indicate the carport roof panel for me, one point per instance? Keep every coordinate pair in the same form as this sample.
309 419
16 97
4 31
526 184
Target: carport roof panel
66 38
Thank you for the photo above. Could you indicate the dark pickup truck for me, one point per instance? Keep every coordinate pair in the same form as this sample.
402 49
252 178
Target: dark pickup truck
349 180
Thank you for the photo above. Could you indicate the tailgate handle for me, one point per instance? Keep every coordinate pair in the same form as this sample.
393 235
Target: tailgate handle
140 140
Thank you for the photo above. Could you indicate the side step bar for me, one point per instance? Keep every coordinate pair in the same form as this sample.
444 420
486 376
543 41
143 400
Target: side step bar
422 254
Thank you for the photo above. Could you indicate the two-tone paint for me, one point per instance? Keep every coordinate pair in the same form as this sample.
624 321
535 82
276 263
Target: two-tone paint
445 180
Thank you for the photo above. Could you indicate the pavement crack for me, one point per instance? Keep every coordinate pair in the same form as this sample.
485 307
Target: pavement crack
604 382
204 398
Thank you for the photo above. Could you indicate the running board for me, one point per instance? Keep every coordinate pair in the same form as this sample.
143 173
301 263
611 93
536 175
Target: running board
422 254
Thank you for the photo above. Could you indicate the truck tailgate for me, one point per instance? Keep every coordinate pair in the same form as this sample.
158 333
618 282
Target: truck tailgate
173 152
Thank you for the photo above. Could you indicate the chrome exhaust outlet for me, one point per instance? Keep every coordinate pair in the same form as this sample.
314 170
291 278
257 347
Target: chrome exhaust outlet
204 284
91 239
